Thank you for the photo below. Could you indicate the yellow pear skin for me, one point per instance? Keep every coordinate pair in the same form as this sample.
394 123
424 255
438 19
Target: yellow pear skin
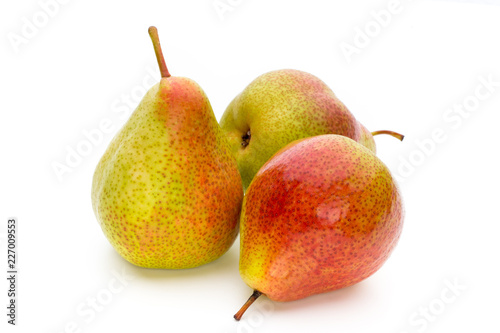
167 192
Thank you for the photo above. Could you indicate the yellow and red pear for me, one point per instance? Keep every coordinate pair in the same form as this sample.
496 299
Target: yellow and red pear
322 214
167 192
279 107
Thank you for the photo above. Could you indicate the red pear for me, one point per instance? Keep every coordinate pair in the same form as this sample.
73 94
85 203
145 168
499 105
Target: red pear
322 214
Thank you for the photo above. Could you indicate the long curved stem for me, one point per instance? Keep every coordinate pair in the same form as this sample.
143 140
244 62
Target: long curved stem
391 133
153 33
256 294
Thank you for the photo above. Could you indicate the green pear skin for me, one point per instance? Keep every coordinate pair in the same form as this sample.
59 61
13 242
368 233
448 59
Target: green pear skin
279 107
366 138
167 192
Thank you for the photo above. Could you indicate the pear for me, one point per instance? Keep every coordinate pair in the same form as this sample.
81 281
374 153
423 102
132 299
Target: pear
366 138
167 192
323 213
279 107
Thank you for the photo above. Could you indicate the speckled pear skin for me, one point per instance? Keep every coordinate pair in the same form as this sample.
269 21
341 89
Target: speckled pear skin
167 192
322 214
366 138
277 108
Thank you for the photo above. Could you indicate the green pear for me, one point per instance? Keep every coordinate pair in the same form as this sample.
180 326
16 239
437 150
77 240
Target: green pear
282 106
167 192
322 214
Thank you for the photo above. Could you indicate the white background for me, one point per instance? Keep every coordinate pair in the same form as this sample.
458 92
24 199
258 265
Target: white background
80 64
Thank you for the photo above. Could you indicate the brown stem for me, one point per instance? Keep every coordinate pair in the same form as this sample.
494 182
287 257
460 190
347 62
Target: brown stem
245 306
391 133
153 33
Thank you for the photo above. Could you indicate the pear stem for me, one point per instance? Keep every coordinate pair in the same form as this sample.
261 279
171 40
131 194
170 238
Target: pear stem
391 133
245 306
153 33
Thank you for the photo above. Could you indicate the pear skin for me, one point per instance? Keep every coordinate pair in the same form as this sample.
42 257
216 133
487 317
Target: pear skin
279 107
322 214
167 192
366 139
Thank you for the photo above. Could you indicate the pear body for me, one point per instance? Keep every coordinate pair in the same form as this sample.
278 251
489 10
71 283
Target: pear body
366 138
322 214
277 108
167 192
